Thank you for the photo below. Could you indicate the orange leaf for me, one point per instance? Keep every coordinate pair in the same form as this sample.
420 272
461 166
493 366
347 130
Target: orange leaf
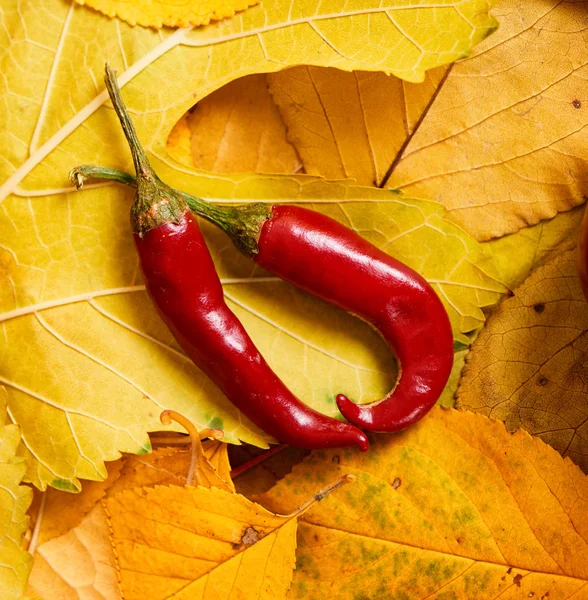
453 507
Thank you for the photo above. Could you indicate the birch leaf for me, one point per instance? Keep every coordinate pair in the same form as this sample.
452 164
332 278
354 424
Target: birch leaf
178 542
528 366
81 560
454 507
73 309
158 13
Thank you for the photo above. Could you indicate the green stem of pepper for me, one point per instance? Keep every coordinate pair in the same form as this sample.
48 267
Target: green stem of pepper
241 223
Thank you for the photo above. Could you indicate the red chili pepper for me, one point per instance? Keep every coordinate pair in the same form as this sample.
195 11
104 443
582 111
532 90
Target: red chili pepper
182 282
333 262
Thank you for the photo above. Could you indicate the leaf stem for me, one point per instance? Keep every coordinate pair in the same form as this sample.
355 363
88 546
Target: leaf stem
167 416
140 160
343 480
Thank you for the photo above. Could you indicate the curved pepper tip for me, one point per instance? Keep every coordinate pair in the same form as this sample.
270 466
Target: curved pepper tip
362 442
354 413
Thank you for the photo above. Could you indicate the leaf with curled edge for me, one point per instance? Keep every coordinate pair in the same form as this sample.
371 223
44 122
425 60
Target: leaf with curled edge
453 507
528 365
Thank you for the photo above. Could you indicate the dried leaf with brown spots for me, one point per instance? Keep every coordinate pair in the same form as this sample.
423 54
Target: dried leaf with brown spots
529 365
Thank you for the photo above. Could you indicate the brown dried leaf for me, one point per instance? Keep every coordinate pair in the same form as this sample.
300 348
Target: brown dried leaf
529 365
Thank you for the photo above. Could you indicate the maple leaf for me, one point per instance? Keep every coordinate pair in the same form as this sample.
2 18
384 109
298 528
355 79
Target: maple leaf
452 507
527 367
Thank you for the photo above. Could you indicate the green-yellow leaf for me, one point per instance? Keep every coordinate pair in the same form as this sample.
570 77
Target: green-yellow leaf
533 246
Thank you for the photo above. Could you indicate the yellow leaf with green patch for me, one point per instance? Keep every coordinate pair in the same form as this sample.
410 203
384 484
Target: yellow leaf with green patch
453 507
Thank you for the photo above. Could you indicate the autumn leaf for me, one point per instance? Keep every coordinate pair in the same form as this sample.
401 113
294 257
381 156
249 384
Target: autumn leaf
77 564
178 541
237 129
527 367
54 512
533 246
75 310
453 507
71 536
15 563
165 12
499 138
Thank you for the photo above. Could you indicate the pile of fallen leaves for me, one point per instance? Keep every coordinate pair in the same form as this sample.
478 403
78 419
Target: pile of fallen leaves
492 511
471 172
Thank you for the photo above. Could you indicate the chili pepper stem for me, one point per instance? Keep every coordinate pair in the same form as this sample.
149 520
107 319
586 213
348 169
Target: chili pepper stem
241 223
155 203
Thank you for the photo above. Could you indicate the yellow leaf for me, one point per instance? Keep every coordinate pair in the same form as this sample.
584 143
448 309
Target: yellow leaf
533 246
171 13
72 306
54 512
499 138
527 367
237 129
447 398
195 542
170 465
82 557
350 124
453 507
503 145
78 564
15 563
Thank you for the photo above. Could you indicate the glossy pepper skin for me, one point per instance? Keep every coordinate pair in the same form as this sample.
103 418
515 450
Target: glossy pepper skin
329 260
181 279
333 262
183 283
